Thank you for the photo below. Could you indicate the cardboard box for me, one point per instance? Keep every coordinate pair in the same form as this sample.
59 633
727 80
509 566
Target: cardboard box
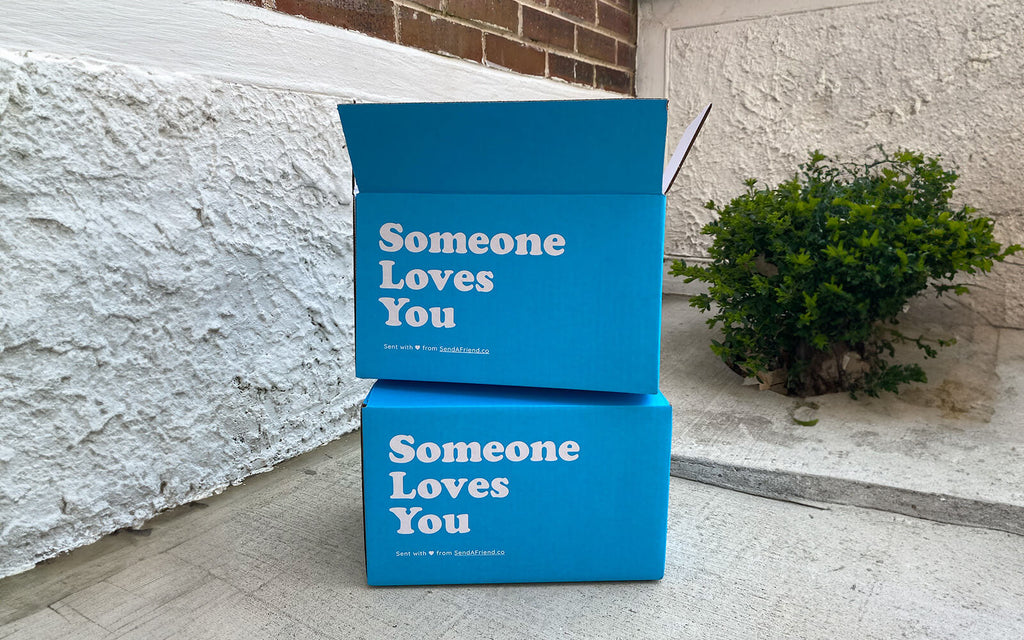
515 243
484 484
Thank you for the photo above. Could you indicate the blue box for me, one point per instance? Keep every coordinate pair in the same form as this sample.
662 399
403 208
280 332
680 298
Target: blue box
484 484
515 243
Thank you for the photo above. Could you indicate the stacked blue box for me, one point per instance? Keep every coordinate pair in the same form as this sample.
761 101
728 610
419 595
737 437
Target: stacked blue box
516 244
476 483
512 243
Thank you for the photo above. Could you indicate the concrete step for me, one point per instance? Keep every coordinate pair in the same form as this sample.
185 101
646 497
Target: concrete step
951 450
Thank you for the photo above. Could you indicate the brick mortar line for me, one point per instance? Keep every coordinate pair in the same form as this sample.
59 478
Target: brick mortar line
411 4
589 60
593 26
487 28
397 21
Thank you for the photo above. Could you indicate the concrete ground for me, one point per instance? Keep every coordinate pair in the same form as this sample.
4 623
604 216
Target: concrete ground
281 556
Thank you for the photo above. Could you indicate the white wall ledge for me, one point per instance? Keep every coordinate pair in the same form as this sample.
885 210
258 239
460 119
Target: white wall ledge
240 43
176 223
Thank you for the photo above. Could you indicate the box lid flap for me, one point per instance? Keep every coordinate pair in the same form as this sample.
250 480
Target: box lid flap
683 149
579 146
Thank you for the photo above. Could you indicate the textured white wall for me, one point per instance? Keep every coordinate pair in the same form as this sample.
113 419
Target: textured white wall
175 260
942 76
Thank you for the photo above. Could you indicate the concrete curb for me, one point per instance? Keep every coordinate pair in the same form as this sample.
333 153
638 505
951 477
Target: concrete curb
947 451
794 486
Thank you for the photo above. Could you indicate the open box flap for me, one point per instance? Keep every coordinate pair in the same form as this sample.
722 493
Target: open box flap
583 146
683 149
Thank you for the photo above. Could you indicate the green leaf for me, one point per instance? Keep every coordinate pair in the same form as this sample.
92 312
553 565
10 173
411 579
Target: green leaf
804 273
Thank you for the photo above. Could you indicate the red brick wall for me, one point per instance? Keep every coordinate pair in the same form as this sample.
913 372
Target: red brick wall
586 42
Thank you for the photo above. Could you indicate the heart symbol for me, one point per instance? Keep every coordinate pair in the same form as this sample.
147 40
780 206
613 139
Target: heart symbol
417 347
431 552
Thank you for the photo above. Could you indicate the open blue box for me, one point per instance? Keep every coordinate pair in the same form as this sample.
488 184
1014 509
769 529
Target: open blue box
485 484
512 243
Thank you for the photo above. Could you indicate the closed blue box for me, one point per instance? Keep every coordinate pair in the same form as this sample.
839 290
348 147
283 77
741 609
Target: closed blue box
515 243
484 484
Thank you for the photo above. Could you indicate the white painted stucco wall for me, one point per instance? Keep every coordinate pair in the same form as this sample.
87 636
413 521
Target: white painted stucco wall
175 259
942 76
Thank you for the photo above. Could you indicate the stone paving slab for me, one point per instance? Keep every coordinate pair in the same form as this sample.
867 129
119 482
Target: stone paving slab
282 557
950 450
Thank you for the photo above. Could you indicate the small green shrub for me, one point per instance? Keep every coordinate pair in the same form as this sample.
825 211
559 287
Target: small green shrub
807 279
